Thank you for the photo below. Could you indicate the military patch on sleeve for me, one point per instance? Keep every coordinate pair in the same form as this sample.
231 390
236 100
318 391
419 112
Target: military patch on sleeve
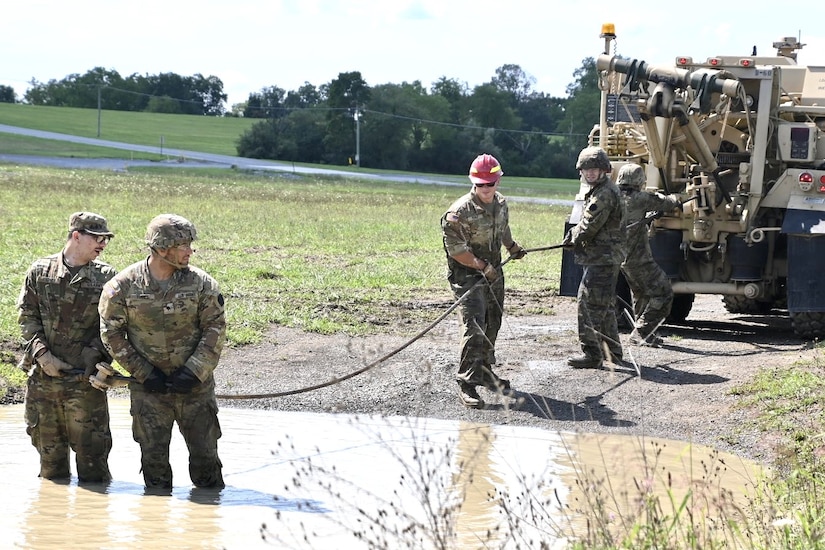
593 207
452 217
220 299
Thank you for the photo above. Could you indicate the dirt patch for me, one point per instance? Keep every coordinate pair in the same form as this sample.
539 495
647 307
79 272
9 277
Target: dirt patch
680 391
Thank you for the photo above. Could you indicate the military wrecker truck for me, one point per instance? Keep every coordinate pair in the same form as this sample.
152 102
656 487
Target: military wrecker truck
740 139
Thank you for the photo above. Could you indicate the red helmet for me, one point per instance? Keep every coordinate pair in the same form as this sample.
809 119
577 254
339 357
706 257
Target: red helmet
485 169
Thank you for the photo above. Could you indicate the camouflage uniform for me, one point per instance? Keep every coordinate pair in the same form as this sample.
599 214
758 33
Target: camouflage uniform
147 325
598 242
650 286
470 225
57 312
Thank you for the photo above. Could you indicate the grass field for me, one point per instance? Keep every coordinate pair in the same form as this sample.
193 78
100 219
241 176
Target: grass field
321 254
195 133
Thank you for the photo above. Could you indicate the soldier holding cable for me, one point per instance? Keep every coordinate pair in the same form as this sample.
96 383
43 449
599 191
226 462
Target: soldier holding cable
474 229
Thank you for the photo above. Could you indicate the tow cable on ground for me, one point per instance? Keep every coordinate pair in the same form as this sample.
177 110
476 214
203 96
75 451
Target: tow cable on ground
106 374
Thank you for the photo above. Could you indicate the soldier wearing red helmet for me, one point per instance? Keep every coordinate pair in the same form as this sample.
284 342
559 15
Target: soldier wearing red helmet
474 229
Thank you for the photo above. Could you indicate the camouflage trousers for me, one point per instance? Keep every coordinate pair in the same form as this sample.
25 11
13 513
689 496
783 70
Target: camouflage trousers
68 413
598 329
652 294
480 315
196 413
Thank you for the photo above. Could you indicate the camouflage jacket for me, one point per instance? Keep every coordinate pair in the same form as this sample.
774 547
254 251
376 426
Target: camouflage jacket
470 225
638 204
58 312
599 237
145 326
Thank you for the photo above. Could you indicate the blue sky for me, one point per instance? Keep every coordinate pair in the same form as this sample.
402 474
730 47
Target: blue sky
252 44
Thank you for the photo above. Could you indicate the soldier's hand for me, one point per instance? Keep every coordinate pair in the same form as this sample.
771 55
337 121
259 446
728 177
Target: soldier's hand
53 366
567 242
490 273
184 380
100 381
90 357
517 251
155 382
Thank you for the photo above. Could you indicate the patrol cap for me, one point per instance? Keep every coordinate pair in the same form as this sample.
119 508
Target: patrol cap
89 222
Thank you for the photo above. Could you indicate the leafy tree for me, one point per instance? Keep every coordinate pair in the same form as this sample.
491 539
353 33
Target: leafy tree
268 103
581 115
7 94
195 95
582 105
456 95
260 141
306 96
303 133
346 96
512 80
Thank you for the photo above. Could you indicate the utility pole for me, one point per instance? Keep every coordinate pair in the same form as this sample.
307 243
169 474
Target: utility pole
98 111
357 116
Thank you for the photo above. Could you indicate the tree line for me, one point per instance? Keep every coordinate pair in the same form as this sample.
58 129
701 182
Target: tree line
404 126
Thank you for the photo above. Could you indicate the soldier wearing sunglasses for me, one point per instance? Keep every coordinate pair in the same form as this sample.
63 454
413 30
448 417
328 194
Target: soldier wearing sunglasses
474 229
57 313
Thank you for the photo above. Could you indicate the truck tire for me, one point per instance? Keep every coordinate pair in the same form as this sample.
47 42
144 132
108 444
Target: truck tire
682 304
739 304
809 325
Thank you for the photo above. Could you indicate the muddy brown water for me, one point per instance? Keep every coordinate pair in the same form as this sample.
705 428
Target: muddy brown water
298 473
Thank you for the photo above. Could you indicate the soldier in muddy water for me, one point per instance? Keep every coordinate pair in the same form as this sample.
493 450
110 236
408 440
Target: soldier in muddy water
163 321
58 317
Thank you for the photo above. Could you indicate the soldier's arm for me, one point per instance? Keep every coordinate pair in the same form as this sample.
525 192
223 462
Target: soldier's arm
593 218
456 242
29 319
506 235
113 330
212 322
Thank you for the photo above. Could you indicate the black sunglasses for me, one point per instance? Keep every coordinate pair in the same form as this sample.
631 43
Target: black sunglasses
493 184
99 238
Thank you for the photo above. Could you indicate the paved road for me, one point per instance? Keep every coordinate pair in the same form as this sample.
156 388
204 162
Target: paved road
190 159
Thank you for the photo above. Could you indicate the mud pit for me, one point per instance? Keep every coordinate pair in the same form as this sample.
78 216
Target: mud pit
683 392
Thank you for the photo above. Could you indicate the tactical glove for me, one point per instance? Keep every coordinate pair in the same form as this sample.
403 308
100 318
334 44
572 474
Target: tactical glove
184 380
52 366
90 357
517 251
155 382
490 273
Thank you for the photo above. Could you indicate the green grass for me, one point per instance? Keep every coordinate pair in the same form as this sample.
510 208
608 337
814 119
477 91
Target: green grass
216 135
325 255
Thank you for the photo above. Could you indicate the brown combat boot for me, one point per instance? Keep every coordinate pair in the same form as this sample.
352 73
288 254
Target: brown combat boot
495 384
469 396
585 362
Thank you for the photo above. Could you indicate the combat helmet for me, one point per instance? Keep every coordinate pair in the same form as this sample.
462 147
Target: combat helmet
168 230
631 176
593 157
